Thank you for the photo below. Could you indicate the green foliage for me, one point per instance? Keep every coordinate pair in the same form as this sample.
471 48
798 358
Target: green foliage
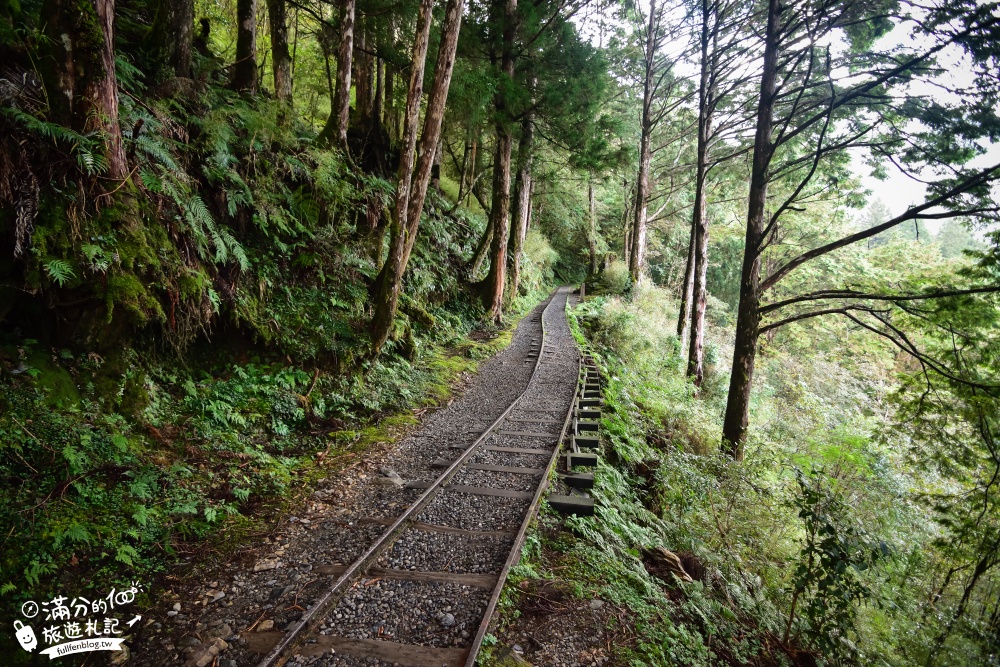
817 534
829 580
59 271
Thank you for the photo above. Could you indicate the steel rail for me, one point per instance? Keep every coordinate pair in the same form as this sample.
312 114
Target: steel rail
515 552
294 637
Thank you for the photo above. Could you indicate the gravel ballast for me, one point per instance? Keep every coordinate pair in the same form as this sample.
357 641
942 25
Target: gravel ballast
279 582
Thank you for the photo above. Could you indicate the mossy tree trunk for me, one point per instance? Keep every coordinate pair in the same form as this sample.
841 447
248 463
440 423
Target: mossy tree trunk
79 72
592 231
505 14
335 130
280 57
521 206
245 68
174 29
411 189
363 74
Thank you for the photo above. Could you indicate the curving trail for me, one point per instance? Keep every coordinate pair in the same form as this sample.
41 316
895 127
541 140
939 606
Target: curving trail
405 575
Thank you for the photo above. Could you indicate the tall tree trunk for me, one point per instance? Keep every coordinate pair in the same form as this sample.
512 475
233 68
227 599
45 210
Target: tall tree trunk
734 428
389 107
281 59
100 92
699 223
79 72
684 312
627 224
464 179
436 168
379 91
245 67
699 291
473 164
592 232
496 279
174 30
335 130
521 206
412 187
363 76
637 255
479 256
430 137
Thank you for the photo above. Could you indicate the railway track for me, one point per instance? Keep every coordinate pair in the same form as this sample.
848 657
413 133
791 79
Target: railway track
423 591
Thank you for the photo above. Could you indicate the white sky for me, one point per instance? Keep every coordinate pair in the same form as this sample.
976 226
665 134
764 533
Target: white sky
898 191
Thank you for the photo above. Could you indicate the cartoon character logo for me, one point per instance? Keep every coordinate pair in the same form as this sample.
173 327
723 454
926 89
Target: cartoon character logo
25 636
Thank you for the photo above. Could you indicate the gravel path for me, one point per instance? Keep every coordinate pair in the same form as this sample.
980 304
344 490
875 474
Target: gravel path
299 562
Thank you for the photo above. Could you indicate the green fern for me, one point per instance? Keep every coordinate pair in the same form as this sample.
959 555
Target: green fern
73 533
59 271
35 570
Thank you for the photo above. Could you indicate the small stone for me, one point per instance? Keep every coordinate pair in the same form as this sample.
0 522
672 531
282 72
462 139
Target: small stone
447 620
222 632
177 606
187 642
120 657
392 476
596 604
264 626
172 613
218 596
265 565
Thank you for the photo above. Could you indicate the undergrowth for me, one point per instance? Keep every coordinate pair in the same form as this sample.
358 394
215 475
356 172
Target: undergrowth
181 356
792 553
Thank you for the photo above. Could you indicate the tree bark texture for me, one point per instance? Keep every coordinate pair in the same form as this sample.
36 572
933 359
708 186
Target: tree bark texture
464 179
521 206
245 67
389 106
412 187
363 75
280 57
637 254
496 279
479 256
100 93
174 28
627 225
387 287
335 130
79 72
436 169
699 223
430 137
592 233
684 312
379 91
734 428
